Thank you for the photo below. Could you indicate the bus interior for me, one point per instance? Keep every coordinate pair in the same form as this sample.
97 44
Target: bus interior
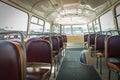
59 39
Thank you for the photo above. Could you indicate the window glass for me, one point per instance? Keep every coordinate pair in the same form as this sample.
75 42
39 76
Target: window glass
56 29
77 30
35 29
47 27
118 10
118 20
63 30
12 18
41 22
85 29
96 25
34 20
36 26
67 30
118 15
90 27
107 22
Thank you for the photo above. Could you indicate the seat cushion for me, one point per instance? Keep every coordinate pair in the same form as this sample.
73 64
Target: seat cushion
114 66
38 75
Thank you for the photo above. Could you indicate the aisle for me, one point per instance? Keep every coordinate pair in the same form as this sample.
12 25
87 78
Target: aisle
72 69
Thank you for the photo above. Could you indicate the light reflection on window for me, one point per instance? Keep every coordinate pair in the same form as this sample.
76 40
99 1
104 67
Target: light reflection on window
96 25
47 27
56 29
90 27
118 15
34 20
67 30
107 22
36 26
41 22
36 29
77 30
12 18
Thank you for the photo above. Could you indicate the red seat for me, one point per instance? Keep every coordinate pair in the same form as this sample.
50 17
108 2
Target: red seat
86 40
99 46
64 41
112 50
64 38
12 65
39 55
55 50
91 42
61 44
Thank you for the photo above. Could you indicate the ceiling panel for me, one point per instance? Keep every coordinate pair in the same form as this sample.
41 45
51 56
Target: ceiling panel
53 9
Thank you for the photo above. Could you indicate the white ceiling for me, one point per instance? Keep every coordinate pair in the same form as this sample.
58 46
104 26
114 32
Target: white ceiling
60 10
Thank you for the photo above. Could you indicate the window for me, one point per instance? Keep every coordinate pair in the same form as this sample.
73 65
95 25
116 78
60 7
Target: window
36 26
74 29
34 20
118 15
85 29
118 21
56 29
41 22
107 22
12 18
35 29
47 27
77 30
67 30
90 27
96 25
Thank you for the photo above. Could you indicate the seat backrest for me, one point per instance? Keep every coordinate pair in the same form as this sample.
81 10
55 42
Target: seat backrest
64 38
91 39
60 41
55 43
39 51
100 42
11 61
112 47
86 37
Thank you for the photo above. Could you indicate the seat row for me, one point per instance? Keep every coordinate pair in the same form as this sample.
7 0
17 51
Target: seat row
35 63
107 46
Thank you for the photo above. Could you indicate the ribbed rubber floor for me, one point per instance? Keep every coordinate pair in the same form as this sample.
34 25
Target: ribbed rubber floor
72 69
